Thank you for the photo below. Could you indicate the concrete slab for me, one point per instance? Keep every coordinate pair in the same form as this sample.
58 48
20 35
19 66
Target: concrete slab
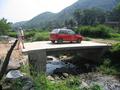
41 45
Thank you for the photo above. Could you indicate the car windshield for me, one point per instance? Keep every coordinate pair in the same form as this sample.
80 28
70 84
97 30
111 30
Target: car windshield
55 31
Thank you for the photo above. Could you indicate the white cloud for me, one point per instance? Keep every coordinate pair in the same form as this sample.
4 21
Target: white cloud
19 10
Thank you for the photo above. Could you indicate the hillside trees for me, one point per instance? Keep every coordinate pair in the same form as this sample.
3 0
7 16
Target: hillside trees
116 12
4 26
70 24
78 15
89 16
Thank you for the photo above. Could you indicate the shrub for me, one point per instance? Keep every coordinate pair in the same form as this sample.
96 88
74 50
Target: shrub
100 31
29 34
108 68
111 62
115 36
115 53
96 87
41 36
12 34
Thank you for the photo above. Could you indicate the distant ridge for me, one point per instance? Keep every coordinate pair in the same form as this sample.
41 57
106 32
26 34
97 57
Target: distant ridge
49 19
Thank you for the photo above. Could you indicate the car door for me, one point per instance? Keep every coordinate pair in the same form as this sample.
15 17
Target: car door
63 35
71 35
67 36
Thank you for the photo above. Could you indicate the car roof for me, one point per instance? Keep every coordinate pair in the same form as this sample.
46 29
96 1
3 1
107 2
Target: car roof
57 30
62 29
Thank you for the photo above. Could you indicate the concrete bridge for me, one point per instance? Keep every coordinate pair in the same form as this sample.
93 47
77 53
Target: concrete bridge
38 51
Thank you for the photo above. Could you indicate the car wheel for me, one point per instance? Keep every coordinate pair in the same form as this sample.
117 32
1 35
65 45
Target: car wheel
78 41
60 41
53 41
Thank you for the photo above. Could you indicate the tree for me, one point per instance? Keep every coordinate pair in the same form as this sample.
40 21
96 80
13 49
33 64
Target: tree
4 26
78 15
90 16
116 12
70 23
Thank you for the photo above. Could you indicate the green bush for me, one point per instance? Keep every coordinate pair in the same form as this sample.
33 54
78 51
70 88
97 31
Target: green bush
115 36
42 36
100 31
96 87
29 34
111 64
12 34
108 68
115 53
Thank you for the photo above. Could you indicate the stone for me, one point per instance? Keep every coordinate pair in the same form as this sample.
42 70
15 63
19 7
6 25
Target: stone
84 85
66 75
50 78
24 60
13 74
13 65
56 77
63 57
49 58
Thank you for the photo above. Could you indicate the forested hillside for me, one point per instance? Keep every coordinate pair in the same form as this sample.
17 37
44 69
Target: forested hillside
49 19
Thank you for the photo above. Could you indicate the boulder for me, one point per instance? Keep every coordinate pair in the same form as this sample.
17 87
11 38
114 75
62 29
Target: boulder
13 74
50 78
13 65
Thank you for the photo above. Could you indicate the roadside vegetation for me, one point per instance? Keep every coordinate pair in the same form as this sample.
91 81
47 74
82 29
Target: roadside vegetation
98 31
33 35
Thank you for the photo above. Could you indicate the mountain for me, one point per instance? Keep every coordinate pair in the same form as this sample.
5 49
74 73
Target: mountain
40 20
50 19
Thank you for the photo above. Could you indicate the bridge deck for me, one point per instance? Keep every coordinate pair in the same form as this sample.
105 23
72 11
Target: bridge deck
37 51
48 45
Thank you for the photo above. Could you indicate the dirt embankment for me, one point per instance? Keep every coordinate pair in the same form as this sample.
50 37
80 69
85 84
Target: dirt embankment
4 47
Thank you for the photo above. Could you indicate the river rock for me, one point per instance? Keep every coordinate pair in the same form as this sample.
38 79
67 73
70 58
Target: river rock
50 78
65 75
49 58
13 74
105 81
56 77
84 85
60 71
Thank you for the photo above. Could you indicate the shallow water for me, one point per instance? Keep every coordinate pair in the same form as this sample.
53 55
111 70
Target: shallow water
56 63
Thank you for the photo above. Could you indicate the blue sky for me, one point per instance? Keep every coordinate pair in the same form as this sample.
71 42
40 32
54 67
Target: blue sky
21 10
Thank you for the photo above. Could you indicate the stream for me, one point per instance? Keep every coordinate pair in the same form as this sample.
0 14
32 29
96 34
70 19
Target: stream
90 78
55 63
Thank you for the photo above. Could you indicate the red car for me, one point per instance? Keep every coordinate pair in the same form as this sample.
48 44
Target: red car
61 35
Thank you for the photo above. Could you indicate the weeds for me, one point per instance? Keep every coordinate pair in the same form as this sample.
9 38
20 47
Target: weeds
71 83
107 68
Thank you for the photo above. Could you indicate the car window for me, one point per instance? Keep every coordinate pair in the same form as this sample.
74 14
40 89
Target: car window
62 32
71 32
55 31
